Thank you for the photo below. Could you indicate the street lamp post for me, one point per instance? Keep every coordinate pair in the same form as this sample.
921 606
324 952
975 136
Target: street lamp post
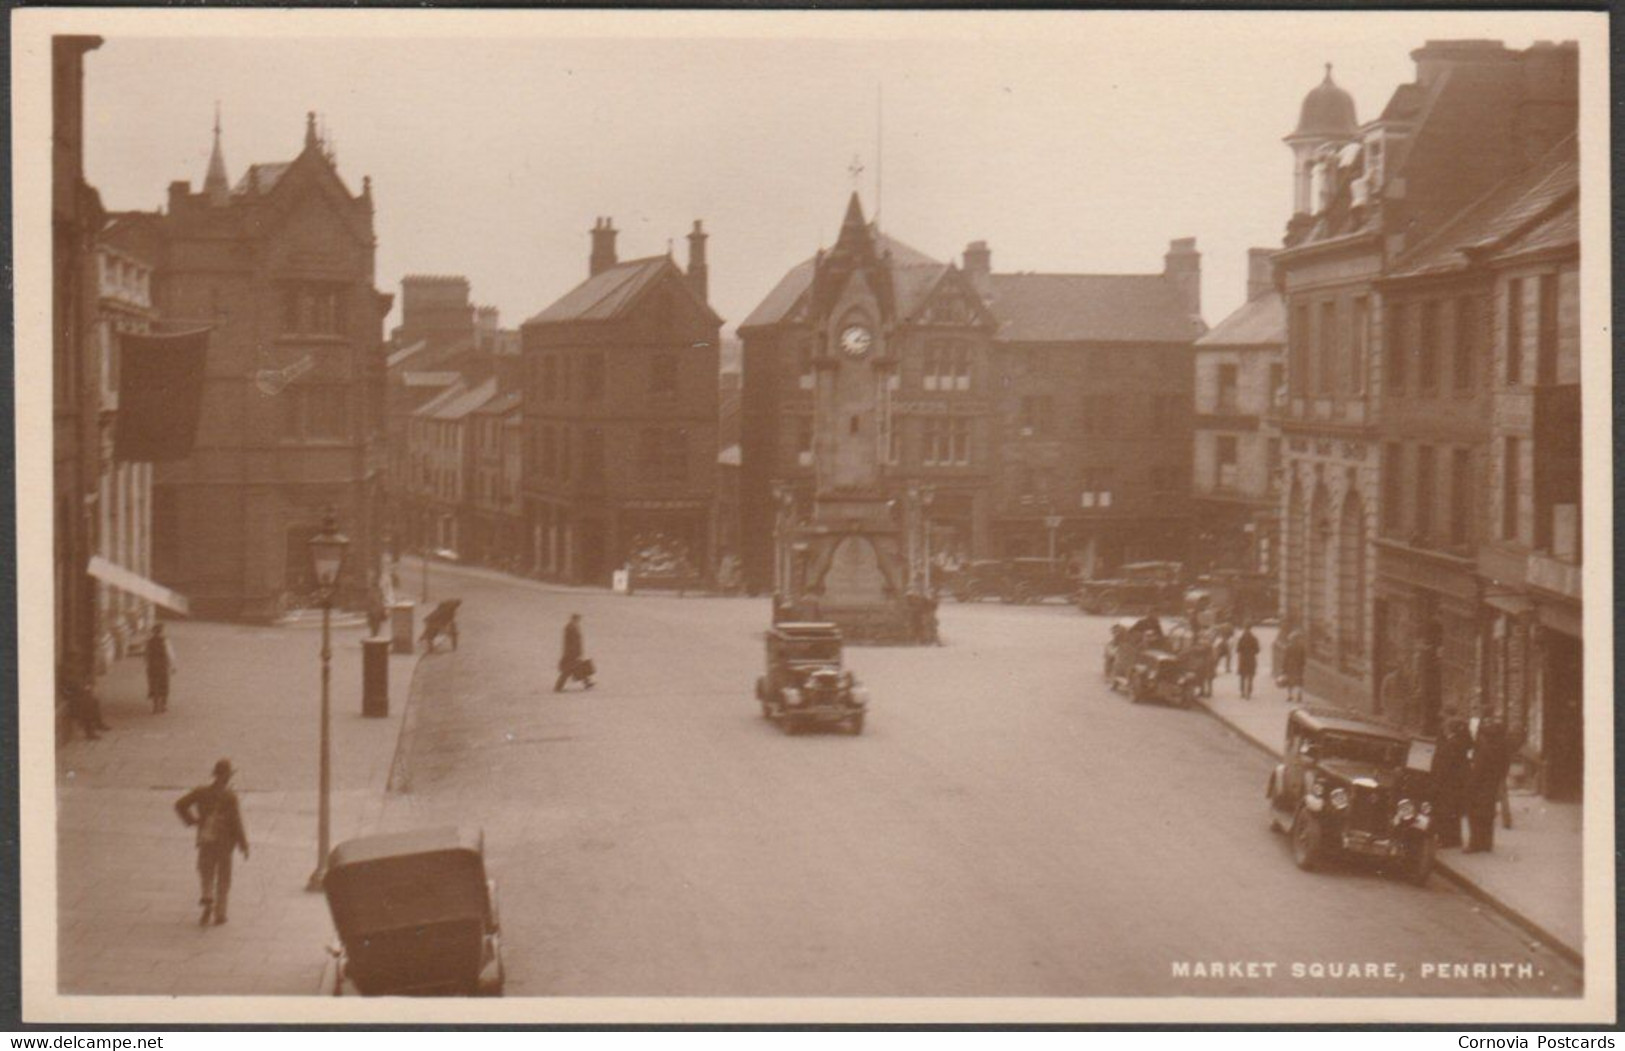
327 550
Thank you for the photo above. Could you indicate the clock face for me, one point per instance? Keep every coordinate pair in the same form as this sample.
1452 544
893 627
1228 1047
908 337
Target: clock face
856 340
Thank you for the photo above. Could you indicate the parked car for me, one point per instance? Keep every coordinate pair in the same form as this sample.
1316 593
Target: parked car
1036 579
975 581
1162 675
1140 588
416 915
805 684
1345 787
1235 596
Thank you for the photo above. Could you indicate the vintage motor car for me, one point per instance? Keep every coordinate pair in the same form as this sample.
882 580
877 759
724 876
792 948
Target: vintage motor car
1141 587
805 685
1162 675
1345 787
415 915
1234 596
975 581
1037 579
1118 645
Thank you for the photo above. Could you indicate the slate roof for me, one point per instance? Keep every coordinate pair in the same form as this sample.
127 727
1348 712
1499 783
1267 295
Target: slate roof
1030 308
1259 322
1095 308
501 404
1512 211
431 406
910 267
263 175
608 294
399 357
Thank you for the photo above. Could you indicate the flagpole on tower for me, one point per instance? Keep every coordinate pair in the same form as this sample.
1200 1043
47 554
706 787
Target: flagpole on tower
880 142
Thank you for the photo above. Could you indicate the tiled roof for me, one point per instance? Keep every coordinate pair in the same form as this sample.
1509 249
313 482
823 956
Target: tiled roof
607 294
1256 323
501 404
1096 308
1509 212
264 176
460 405
788 292
397 357
1558 230
431 406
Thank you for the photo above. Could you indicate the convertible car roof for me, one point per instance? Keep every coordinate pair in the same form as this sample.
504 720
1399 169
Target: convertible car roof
404 844
1345 722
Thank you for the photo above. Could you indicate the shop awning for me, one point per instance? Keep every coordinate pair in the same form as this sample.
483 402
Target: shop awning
115 575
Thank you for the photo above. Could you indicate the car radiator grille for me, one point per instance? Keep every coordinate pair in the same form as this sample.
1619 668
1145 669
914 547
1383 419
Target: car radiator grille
1367 811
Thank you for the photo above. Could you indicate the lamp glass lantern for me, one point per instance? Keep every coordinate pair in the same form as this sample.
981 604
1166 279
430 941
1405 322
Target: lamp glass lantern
327 550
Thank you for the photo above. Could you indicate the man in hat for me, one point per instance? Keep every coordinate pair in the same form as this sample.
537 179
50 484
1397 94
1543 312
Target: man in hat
572 663
212 809
160 665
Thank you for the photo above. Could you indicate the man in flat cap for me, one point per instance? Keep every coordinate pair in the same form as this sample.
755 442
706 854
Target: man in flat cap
212 809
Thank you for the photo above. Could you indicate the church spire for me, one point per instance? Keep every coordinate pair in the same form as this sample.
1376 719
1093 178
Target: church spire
215 184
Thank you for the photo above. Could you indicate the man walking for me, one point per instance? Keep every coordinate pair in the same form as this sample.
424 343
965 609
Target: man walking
1451 766
1484 777
212 809
160 666
1247 660
1294 662
571 664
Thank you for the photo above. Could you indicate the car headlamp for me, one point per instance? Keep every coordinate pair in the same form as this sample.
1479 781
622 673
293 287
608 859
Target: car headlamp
1340 798
1427 808
1405 810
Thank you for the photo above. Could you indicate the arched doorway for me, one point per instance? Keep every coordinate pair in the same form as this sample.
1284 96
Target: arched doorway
1351 580
1320 570
1296 556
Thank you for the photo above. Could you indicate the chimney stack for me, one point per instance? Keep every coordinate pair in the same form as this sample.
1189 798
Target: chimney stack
1260 272
1182 266
603 246
699 274
978 259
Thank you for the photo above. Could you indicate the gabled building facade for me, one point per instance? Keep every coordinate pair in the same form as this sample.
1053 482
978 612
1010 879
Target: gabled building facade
1365 195
1236 469
1029 413
280 266
620 418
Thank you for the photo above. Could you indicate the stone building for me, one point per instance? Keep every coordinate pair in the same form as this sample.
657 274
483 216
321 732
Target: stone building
620 419
438 489
76 220
494 533
1365 194
124 255
1035 412
280 266
1237 464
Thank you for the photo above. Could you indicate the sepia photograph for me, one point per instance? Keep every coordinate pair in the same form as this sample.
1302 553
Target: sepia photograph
794 517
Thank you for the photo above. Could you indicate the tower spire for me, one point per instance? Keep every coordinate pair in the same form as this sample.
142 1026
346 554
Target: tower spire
215 184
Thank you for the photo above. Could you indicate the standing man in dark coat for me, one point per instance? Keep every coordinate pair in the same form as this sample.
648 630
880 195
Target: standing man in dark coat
574 651
1451 765
1484 777
212 809
160 665
1247 660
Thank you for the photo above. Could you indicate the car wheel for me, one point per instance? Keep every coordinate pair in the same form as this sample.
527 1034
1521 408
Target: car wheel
1136 689
790 726
854 725
1307 845
1419 863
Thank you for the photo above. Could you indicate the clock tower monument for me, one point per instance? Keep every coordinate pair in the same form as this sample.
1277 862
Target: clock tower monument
847 558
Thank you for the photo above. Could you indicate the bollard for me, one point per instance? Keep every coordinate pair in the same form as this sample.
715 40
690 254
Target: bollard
401 626
375 678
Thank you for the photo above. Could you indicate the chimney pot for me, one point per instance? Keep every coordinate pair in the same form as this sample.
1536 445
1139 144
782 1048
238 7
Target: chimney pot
603 247
1260 272
978 258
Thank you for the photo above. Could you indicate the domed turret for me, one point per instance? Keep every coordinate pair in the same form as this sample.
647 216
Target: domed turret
1328 111
1326 119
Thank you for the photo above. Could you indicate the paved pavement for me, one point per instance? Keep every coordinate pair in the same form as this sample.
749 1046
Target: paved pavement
1535 871
1005 826
126 879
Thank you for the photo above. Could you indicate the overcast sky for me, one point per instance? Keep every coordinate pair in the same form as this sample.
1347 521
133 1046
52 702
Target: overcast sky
1081 143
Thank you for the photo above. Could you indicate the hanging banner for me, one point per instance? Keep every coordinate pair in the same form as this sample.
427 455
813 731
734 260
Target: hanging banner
160 394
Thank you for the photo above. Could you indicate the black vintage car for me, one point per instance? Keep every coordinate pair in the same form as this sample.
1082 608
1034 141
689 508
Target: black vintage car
1140 588
415 915
805 684
1345 787
1162 675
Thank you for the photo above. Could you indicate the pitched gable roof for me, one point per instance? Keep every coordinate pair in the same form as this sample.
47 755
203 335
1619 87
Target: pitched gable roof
461 403
909 266
1259 322
612 292
261 177
1510 211
1092 308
